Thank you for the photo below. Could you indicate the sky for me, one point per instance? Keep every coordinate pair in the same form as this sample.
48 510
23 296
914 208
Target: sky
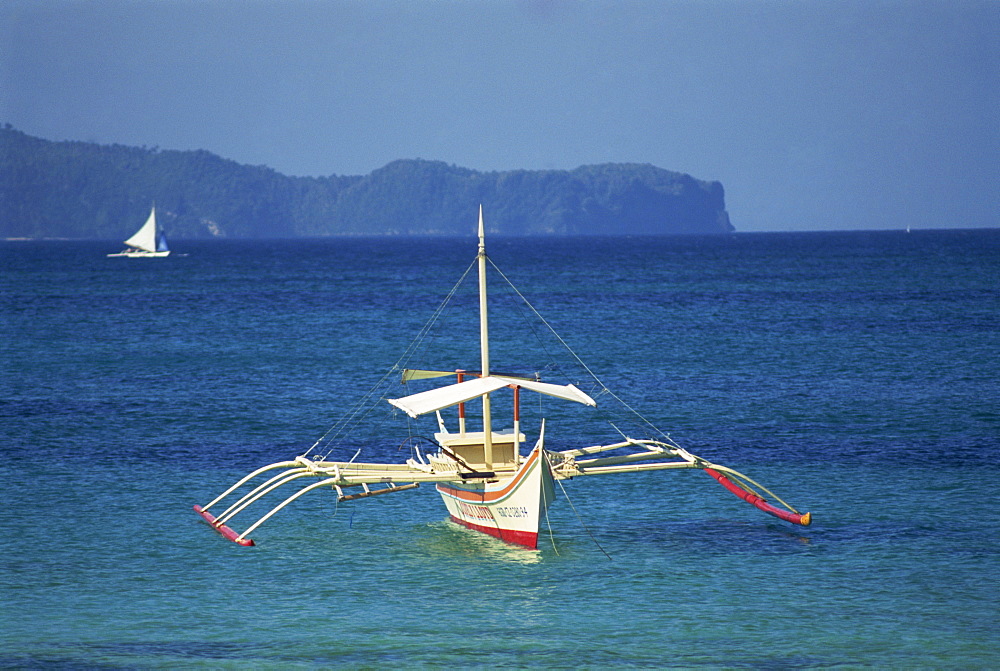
814 115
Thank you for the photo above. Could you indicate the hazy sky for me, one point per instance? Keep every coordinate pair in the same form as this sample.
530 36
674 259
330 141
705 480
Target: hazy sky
814 115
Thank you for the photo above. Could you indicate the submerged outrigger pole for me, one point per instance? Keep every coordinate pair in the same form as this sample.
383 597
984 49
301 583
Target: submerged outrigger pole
759 502
582 461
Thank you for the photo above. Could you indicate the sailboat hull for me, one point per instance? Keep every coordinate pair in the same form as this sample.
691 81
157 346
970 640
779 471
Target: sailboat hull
147 243
141 255
510 509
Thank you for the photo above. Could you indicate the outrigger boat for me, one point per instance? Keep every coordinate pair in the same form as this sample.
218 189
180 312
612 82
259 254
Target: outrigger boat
147 243
486 481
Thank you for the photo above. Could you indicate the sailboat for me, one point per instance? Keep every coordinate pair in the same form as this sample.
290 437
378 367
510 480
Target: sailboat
490 481
148 241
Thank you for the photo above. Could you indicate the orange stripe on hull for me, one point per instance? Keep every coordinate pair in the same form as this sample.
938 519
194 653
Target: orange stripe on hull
487 496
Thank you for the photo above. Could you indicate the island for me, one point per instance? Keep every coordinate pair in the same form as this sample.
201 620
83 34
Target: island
83 190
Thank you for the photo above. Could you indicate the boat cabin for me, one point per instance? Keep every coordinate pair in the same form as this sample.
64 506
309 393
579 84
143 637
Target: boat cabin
470 448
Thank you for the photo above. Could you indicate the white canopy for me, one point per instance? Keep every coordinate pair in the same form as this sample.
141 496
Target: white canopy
567 392
444 397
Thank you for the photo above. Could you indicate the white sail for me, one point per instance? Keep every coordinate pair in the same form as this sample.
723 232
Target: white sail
145 237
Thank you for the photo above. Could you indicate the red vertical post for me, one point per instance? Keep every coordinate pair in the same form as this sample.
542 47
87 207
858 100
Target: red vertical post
517 424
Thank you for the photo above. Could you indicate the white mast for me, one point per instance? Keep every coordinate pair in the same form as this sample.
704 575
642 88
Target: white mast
484 345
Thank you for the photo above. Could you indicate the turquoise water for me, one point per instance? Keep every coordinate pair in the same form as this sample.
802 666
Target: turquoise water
856 374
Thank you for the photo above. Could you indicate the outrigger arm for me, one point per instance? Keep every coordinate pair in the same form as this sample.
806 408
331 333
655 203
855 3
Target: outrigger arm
338 475
391 478
568 464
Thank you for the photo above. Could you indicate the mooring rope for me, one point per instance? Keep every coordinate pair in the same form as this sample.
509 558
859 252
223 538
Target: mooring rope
552 537
580 520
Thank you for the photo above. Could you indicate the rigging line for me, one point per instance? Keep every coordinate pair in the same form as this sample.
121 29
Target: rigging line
351 416
553 364
579 360
434 317
364 407
615 427
359 411
355 415
547 325
585 528
638 414
421 335
362 416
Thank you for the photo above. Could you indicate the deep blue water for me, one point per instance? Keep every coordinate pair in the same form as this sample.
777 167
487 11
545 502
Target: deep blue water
856 374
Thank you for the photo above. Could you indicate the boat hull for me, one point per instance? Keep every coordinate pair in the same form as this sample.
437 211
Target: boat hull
142 255
509 509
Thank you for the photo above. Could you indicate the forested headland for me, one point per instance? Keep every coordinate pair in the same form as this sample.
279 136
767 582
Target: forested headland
85 190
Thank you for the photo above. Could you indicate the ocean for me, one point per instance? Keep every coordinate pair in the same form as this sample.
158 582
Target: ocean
854 373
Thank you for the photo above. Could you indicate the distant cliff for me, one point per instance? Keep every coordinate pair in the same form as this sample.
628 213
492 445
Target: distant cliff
85 190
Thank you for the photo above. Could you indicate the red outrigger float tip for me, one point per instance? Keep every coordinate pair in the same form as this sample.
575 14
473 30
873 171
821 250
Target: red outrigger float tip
758 502
226 532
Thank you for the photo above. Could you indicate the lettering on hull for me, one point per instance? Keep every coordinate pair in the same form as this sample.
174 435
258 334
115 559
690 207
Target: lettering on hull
475 512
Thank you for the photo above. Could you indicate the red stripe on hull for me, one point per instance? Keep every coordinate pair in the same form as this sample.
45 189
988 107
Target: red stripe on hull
526 539
226 532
